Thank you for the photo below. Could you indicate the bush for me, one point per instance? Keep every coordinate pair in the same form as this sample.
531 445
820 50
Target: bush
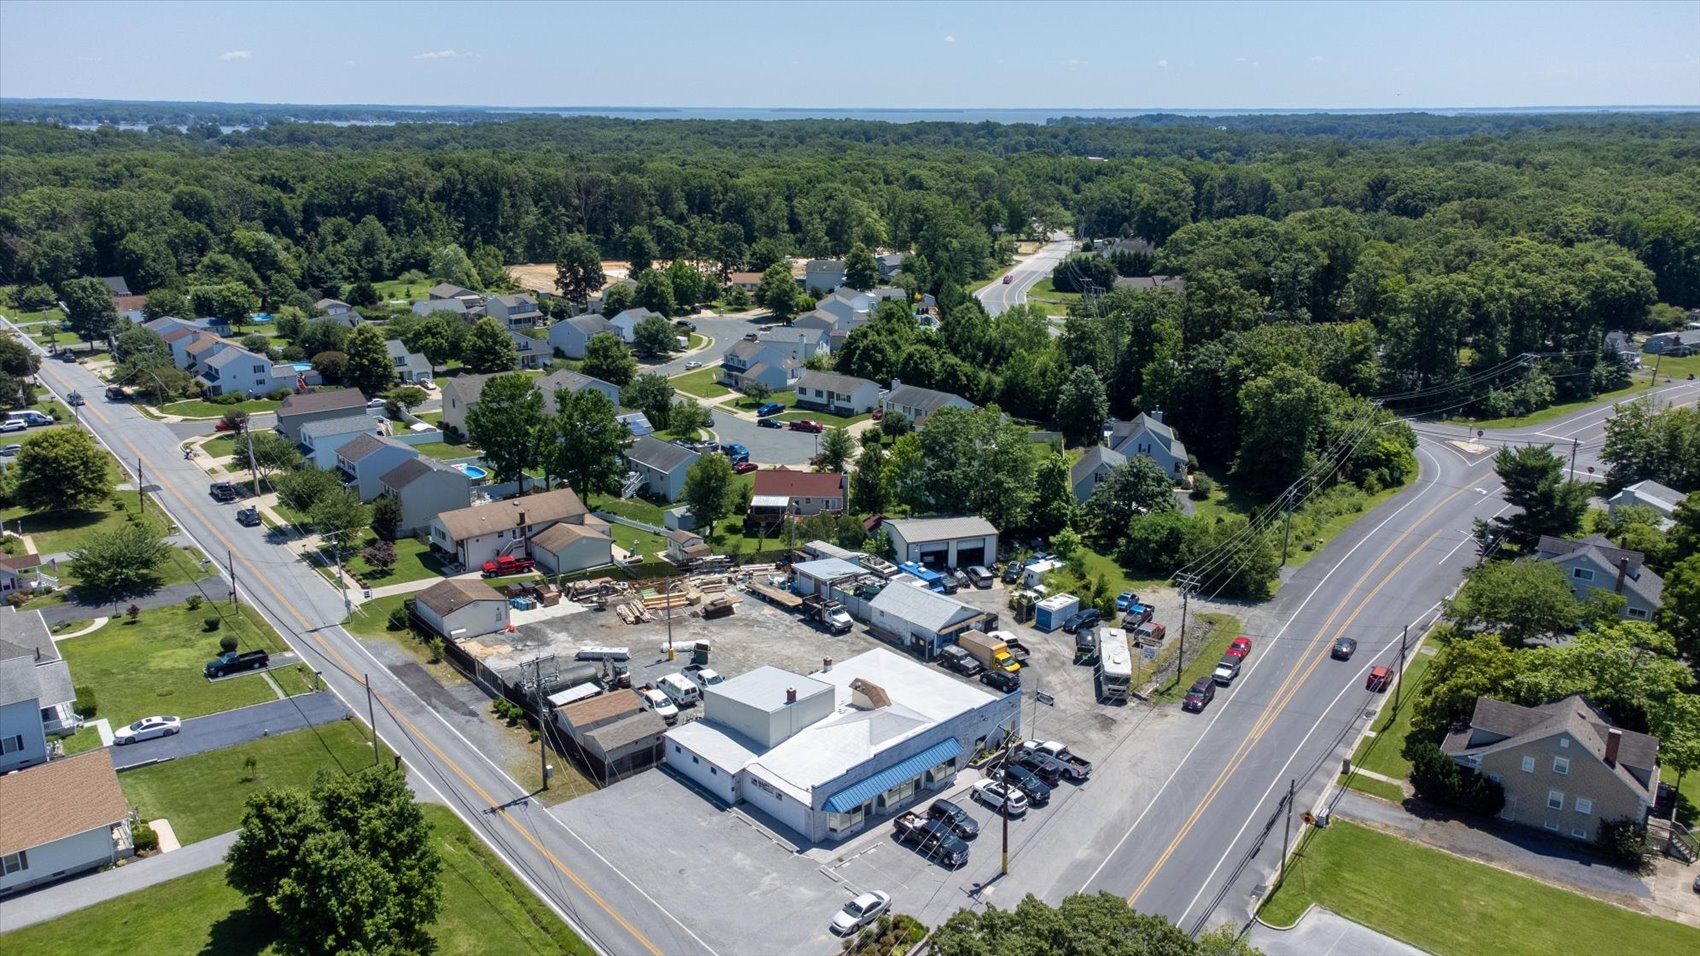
18 598
1439 779
87 705
227 643
211 622
132 612
1202 486
1624 843
399 619
194 602
228 398
145 840
279 394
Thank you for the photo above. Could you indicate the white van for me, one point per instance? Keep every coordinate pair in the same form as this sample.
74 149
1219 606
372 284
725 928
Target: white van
30 417
682 691
660 703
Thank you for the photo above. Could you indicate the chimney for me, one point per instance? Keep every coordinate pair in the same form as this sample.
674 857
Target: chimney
896 384
1622 572
790 695
825 664
1156 415
521 521
1614 739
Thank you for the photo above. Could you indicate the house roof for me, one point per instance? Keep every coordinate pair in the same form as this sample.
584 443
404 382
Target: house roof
322 402
206 342
636 314
590 324
557 536
799 484
1639 579
174 332
600 708
448 596
659 455
1138 283
467 388
1143 422
824 265
26 636
340 425
571 381
744 349
325 304
1097 456
59 799
792 336
915 530
628 730
427 306
398 349
116 284
1584 722
129 303
548 507
366 445
764 688
925 399
920 606
231 355
1652 490
517 301
817 319
448 290
744 278
416 468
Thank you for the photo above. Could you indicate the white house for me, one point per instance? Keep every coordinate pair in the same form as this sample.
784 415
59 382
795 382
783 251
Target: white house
943 542
567 547
37 701
661 466
460 610
321 440
798 344
484 532
772 364
917 404
515 311
839 394
367 458
1593 564
1146 436
332 307
454 307
922 619
574 382
1649 494
411 368
459 395
625 324
571 336
61 819
532 353
821 276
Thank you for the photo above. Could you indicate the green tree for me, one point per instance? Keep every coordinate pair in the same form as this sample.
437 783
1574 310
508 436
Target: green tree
272 453
1679 615
451 264
1626 668
276 823
895 425
386 517
689 285
607 358
1283 425
1519 601
836 447
757 392
339 517
302 488
231 301
860 270
655 292
489 348
438 337
867 489
640 249
653 337
1645 443
708 490
119 564
1255 570
62 470
88 308
1535 485
777 292
618 298
138 345
1053 495
1138 487
578 269
1676 722
1082 925
685 418
370 368
651 394
1082 407
408 397
583 444
977 461
1152 542
1465 668
165 302
330 365
505 425
324 335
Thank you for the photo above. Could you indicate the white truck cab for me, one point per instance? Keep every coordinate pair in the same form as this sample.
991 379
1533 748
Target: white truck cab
660 703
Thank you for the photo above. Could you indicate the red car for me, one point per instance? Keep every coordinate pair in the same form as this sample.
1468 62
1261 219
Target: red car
1008 279
224 426
807 425
1379 678
1240 648
744 467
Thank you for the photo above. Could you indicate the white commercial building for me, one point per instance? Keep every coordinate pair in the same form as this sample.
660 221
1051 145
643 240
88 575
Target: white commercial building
943 542
829 753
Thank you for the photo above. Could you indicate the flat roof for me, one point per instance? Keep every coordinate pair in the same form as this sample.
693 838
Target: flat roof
764 688
921 530
827 569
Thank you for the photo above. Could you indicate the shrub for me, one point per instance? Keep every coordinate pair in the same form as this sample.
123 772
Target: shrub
227 643
18 598
1624 843
1202 486
211 622
381 555
145 840
1439 779
194 602
132 612
279 394
87 705
399 619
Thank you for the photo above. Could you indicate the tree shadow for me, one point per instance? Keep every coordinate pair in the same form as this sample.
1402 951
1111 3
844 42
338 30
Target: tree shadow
242 932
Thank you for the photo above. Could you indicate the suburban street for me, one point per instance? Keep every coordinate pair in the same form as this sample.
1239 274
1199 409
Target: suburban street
1027 273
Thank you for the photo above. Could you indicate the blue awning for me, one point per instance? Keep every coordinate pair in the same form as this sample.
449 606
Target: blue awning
852 797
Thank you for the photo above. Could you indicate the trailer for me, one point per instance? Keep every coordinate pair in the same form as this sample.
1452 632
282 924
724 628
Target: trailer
1115 664
774 595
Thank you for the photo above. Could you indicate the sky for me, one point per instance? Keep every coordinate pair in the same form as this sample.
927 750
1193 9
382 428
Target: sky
860 54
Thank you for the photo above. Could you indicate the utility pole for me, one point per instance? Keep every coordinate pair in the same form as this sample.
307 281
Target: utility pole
1287 530
667 595
1004 804
141 488
1286 837
371 718
1187 583
542 735
230 566
253 469
1574 444
1399 678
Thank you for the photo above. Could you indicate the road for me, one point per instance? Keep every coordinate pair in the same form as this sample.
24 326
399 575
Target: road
999 296
217 731
1294 713
583 887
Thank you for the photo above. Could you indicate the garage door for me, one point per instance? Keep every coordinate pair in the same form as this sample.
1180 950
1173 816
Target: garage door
935 555
969 555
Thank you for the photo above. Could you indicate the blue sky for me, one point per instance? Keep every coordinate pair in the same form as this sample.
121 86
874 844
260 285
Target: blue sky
870 54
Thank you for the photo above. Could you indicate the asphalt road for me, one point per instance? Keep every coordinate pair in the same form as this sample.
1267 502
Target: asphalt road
232 727
1294 713
585 888
998 296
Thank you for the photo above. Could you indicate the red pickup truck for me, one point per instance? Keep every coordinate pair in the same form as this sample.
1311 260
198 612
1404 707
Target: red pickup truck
508 564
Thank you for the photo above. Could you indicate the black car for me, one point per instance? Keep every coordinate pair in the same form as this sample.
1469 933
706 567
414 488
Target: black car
1085 646
1202 692
935 840
1012 572
1343 649
960 661
770 423
954 817
1001 680
1042 765
1081 619
1038 793
223 491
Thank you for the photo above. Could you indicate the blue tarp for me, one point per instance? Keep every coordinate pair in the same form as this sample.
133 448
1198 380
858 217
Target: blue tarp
854 796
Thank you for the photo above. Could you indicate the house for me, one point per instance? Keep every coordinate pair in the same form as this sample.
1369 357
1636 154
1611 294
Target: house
179 339
839 394
817 320
321 440
625 324
797 493
348 320
916 403
890 264
484 532
943 542
411 368
794 343
850 310
454 307
471 301
889 293
767 363
833 753
594 303
614 733
1622 347
821 276
459 395
202 348
1593 564
298 410
567 547
459 609
332 307
1137 246
532 353
1649 494
37 701
1564 767
237 371
1092 468
1674 344
62 819
515 311
748 281
130 306
367 459
425 488
660 467
571 336
117 284
574 382
923 620
18 572
685 547
1147 436
1174 284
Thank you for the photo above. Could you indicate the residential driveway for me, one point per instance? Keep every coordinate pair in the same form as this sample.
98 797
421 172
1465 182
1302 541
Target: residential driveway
211 588
217 731
58 899
768 446
1321 932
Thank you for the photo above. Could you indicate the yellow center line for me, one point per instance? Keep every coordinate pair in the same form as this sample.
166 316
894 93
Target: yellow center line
1290 687
413 731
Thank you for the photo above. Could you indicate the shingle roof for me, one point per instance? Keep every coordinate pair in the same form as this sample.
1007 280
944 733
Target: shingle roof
659 455
915 530
129 303
628 730
427 306
59 799
368 444
448 290
638 314
799 484
590 324
601 708
744 349
340 425
516 300
448 596
1639 579
467 388
1573 715
493 516
324 305
1095 456
26 635
920 606
1654 490
415 468
924 399
116 284
228 356
557 536
322 401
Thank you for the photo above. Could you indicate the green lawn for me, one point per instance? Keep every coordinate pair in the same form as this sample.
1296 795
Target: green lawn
202 795
413 562
58 531
486 909
634 508
1381 753
444 451
195 408
221 447
153 666
82 741
825 418
1375 788
700 383
638 542
1223 628
371 618
1445 904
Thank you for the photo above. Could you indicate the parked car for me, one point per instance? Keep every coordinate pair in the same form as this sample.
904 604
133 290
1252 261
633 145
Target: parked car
660 703
979 576
13 425
508 564
223 491
703 677
233 662
1200 694
1227 669
859 912
1038 791
996 793
683 691
1081 619
147 728
1240 648
1012 572
735 451
1344 648
931 838
1125 600
1041 765
960 579
685 326
807 425
744 467
954 817
769 408
959 660
11 450
770 423
1379 679
692 365
1001 680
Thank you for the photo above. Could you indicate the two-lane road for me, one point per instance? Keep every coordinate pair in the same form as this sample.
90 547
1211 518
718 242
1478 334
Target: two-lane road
1000 295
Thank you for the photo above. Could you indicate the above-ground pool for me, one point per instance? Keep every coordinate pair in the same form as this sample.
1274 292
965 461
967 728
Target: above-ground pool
472 471
302 366
262 318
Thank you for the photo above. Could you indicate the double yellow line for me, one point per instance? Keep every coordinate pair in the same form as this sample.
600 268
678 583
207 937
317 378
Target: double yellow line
1296 676
307 631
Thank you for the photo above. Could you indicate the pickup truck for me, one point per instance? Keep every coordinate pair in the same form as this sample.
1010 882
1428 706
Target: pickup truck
830 614
703 677
231 662
1013 645
1074 766
508 564
933 839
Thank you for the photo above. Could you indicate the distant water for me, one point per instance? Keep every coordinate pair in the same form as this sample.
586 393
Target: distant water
1039 116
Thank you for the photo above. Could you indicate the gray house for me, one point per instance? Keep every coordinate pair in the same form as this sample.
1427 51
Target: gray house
916 403
1649 494
662 466
460 394
839 394
821 276
410 367
321 440
332 307
425 488
532 352
298 410
368 458
771 364
570 337
1674 344
37 701
625 324
515 311
1092 468
452 306
1593 564
1148 437
573 382
890 265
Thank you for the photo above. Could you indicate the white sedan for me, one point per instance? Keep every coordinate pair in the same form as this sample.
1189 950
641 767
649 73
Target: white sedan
146 729
692 364
859 912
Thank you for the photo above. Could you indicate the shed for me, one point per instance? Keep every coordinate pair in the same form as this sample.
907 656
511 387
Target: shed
1050 613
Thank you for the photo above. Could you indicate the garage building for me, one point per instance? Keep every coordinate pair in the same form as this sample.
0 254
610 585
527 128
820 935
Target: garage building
459 609
613 733
924 620
830 753
944 542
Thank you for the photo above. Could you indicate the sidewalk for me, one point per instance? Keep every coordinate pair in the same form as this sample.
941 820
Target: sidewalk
409 587
1322 932
54 901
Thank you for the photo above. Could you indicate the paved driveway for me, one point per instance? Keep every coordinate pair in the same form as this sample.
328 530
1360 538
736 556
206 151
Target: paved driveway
1322 932
768 446
217 731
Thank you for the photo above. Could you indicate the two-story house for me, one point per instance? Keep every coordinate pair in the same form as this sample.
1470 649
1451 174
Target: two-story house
515 311
332 307
839 394
451 306
916 403
424 488
1564 767
367 458
37 701
772 364
799 344
237 371
482 533
821 276
890 264
459 395
625 324
1146 436
1093 467
852 308
574 382
532 353
411 368
321 440
781 492
571 337
472 302
1593 564
298 410
661 467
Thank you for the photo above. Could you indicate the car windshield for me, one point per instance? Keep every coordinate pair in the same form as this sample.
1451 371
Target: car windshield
853 908
138 725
